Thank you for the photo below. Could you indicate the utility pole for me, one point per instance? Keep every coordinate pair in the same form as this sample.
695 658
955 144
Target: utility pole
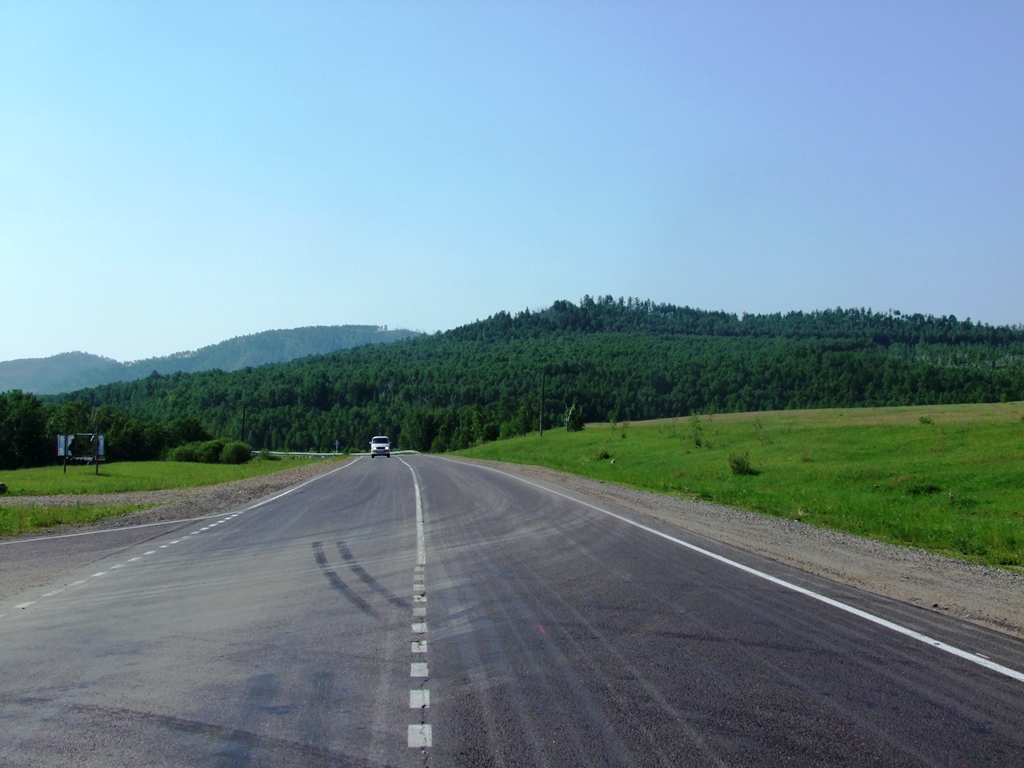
542 404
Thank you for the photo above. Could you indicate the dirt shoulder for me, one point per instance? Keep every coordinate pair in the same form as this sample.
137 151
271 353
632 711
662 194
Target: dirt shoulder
991 597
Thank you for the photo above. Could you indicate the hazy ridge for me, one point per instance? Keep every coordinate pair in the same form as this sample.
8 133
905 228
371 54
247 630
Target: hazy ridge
70 371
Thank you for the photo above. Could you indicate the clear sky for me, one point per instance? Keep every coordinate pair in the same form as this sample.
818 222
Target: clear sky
173 173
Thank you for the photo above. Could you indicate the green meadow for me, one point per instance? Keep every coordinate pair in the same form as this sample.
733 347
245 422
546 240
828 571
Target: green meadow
134 476
15 520
944 478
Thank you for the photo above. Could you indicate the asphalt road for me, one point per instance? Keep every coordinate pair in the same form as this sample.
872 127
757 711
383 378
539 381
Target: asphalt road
422 611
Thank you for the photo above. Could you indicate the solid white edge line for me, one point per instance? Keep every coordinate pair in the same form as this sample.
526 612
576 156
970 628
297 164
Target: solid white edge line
898 628
421 548
182 520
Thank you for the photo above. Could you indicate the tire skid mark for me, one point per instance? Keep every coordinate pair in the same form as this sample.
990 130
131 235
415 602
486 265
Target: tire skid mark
338 585
367 579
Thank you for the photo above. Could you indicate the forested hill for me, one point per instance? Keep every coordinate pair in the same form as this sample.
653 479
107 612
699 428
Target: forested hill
77 370
617 359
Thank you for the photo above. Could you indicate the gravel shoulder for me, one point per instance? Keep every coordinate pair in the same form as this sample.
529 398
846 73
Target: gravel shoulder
990 597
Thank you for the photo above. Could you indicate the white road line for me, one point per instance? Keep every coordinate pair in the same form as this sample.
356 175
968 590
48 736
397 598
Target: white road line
55 592
420 736
132 559
151 552
122 529
101 573
115 567
176 541
25 605
76 583
898 628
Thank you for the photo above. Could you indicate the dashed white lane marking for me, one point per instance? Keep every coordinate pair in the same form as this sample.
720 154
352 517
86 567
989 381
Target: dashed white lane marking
76 583
223 519
220 515
115 567
420 736
898 628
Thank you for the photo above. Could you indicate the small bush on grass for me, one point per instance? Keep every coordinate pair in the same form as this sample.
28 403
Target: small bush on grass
184 453
236 452
212 452
739 463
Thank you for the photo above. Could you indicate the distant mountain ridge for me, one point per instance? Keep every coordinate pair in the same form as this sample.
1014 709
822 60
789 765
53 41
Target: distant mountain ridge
71 371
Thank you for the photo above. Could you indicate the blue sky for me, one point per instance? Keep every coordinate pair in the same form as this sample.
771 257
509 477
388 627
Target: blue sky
174 174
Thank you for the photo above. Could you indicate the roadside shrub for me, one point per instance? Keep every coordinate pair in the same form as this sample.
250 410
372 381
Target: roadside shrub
183 453
210 451
236 452
739 463
265 455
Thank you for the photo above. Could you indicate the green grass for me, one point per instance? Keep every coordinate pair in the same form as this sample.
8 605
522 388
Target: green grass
945 478
134 476
15 520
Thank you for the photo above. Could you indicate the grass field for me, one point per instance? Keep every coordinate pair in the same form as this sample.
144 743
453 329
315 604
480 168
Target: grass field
945 478
15 520
134 476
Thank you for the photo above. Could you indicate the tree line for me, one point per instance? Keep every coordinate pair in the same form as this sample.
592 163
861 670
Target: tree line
619 360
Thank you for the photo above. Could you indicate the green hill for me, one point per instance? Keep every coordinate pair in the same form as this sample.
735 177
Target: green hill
617 359
78 370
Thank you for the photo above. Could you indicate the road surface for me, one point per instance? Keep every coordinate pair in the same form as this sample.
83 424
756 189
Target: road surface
422 611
